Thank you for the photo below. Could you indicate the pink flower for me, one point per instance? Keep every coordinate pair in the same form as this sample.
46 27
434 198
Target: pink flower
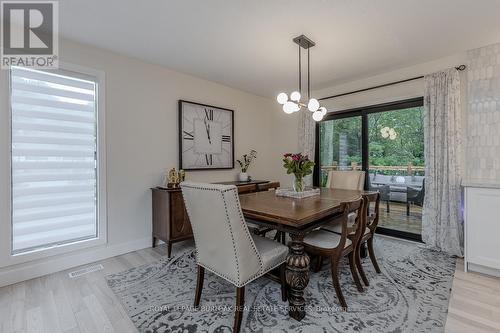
287 155
296 157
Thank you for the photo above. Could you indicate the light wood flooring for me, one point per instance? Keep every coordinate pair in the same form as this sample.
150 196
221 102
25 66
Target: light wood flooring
56 303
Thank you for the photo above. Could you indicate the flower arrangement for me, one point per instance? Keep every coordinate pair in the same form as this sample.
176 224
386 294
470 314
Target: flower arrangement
300 166
246 160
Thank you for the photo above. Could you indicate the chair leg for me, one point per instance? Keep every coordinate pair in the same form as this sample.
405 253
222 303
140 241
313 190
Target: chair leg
361 271
319 264
277 236
372 255
283 238
336 283
407 208
199 285
283 282
238 309
388 207
352 266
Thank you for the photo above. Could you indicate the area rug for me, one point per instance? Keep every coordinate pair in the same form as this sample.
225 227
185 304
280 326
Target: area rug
410 295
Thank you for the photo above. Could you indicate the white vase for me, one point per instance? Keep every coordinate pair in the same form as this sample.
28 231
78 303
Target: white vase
243 177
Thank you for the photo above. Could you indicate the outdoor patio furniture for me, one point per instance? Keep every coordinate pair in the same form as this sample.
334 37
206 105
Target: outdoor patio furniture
384 190
414 196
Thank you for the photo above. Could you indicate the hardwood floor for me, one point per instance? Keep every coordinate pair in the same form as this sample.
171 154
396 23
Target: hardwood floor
397 219
56 303
474 304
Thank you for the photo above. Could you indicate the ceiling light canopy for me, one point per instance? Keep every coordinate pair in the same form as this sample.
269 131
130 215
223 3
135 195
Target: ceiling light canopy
294 103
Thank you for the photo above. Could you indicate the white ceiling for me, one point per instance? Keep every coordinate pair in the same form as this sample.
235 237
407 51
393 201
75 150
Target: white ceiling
246 44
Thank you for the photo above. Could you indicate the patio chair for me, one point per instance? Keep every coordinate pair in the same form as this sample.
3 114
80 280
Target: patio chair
414 196
384 190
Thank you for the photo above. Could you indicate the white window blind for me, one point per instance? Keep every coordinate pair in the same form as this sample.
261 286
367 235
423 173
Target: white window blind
54 158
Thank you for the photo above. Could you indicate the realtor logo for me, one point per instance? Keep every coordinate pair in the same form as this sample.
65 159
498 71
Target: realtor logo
29 34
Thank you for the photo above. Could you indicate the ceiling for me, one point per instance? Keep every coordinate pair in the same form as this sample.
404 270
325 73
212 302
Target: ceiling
248 44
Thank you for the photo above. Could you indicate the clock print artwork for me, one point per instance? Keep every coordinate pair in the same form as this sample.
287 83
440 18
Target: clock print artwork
205 137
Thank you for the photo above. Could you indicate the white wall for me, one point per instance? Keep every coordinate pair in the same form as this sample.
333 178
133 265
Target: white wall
142 142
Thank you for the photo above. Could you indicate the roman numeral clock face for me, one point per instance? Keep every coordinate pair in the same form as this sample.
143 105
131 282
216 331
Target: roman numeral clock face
206 137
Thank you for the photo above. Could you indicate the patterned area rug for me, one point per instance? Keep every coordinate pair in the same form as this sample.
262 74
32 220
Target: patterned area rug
410 295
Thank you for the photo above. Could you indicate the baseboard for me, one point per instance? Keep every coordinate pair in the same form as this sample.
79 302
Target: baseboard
483 270
30 270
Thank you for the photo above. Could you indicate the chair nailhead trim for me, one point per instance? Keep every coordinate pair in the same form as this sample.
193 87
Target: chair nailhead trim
261 271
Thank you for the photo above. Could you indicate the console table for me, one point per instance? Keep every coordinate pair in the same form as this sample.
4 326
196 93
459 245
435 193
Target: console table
170 220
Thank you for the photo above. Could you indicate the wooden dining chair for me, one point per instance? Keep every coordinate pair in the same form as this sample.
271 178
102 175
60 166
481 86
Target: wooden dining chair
372 218
326 244
268 186
371 225
224 244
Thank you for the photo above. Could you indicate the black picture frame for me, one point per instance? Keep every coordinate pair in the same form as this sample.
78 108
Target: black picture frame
180 131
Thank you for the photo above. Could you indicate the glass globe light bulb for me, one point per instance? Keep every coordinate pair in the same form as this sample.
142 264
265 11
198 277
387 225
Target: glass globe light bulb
282 98
295 96
317 116
289 107
313 105
323 110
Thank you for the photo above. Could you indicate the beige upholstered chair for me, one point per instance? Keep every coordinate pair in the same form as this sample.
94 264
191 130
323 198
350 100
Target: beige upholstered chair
346 180
223 243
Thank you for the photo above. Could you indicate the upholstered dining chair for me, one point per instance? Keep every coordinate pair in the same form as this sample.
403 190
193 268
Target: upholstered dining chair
323 243
373 206
224 245
346 180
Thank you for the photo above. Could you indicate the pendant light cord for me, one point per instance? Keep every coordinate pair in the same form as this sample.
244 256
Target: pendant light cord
308 75
300 73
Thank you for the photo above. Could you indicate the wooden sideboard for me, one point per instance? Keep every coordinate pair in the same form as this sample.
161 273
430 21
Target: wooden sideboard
170 219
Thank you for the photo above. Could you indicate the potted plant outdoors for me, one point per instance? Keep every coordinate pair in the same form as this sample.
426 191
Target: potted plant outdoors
300 166
244 163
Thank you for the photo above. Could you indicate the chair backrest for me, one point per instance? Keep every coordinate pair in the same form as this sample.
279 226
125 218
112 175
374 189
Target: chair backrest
372 221
242 189
268 186
223 243
346 180
358 207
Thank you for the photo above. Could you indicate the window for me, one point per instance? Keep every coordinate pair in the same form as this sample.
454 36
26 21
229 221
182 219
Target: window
55 158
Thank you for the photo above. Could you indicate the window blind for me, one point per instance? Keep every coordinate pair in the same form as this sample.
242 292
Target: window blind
54 158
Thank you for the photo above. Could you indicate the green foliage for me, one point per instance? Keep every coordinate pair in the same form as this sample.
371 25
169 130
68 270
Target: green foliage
246 160
298 164
340 140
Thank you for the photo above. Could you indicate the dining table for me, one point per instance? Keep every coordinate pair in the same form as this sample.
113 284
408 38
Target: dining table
296 217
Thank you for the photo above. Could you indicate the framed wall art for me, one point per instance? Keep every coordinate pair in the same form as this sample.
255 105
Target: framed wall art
206 137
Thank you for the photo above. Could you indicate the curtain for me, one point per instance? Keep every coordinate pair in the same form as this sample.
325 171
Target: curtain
442 224
306 131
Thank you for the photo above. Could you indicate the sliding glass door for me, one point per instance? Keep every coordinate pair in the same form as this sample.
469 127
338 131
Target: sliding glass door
386 141
343 151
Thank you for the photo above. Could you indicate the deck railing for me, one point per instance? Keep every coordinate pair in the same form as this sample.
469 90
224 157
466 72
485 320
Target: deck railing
408 169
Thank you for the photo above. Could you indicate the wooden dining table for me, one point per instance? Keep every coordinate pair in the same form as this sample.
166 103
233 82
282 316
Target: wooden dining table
297 217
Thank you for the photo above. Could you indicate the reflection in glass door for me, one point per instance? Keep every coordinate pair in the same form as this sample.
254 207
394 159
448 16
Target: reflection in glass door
340 145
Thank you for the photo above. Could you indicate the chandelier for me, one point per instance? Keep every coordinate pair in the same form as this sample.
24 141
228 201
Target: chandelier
295 103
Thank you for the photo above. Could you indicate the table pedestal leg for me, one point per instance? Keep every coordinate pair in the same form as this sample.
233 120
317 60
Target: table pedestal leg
297 276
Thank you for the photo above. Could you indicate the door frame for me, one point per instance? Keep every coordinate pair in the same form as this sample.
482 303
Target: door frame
363 112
